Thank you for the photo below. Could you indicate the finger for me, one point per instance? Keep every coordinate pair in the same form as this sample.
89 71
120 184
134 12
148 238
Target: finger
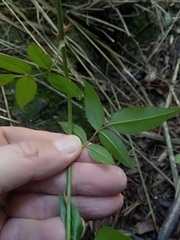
33 229
3 140
87 179
41 206
34 160
17 134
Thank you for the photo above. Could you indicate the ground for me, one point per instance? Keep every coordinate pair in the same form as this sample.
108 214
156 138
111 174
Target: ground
130 53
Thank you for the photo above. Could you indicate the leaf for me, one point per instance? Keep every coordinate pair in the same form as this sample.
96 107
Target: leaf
100 154
93 107
39 57
63 208
115 146
76 223
14 64
137 119
108 233
76 130
6 78
64 85
177 158
26 88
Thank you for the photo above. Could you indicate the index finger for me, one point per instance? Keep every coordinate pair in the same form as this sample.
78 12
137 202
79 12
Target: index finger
10 135
19 134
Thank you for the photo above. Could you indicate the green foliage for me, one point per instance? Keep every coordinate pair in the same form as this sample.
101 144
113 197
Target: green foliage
26 88
114 145
177 158
6 78
76 130
100 154
14 64
64 85
107 233
126 121
76 221
62 208
137 119
39 57
93 107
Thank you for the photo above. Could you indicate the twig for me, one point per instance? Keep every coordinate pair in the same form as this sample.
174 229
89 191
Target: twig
6 105
7 119
166 131
171 218
121 18
157 137
174 211
171 154
143 183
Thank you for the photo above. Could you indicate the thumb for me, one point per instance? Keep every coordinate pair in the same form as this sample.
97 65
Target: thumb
30 160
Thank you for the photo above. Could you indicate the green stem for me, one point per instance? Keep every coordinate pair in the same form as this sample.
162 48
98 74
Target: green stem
69 102
61 35
96 132
91 138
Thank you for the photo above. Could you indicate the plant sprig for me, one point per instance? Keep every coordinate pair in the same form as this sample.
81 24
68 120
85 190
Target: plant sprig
73 224
125 121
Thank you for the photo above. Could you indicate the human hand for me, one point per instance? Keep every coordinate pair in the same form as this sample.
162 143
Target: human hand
32 173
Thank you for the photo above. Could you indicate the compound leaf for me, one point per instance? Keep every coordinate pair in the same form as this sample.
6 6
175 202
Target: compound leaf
115 146
100 154
137 119
108 233
14 64
76 221
93 107
26 88
64 85
39 57
76 130
6 78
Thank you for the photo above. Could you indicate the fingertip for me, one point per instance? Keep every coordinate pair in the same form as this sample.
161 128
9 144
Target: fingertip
68 144
123 178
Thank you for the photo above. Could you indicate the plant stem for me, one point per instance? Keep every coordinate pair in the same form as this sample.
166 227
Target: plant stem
61 35
69 102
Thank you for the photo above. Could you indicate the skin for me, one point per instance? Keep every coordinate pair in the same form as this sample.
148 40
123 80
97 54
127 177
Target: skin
32 173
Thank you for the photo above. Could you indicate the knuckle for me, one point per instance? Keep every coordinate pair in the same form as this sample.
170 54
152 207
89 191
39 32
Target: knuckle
31 150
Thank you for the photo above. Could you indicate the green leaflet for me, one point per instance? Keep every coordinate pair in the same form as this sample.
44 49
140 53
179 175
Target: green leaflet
76 221
62 208
137 119
14 64
6 78
177 158
93 107
64 85
37 55
108 233
100 154
76 130
26 88
115 146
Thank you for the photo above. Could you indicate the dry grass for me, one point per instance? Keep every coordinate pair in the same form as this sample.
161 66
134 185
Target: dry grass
130 53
